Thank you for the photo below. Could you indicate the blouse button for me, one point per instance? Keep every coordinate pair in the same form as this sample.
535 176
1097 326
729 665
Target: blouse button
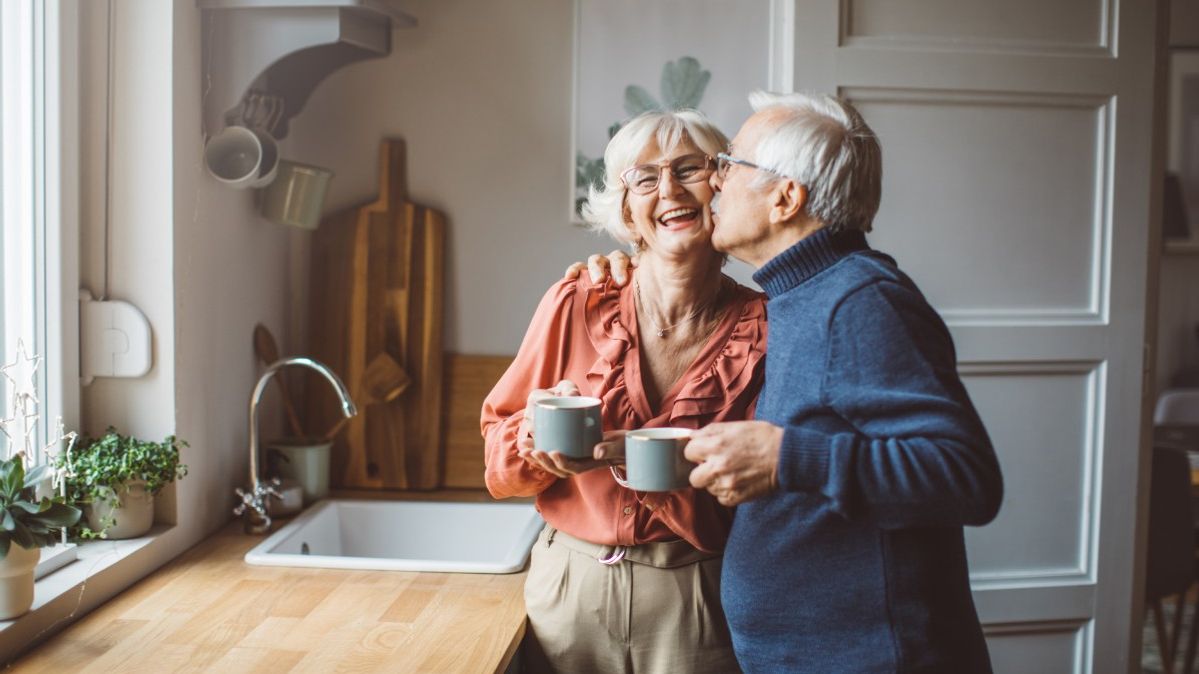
649 506
628 510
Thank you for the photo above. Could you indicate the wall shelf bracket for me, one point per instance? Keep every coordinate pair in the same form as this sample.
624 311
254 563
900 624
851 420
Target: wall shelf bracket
263 58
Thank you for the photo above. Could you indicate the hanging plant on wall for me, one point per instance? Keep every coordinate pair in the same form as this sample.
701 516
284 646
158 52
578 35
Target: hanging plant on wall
682 85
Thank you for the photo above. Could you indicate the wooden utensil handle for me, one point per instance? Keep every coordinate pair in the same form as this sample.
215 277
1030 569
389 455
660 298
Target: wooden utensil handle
336 429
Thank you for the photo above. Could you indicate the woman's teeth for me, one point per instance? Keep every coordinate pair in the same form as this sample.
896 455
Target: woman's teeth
676 213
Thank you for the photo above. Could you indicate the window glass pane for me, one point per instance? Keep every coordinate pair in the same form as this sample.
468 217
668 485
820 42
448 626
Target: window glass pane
19 218
4 394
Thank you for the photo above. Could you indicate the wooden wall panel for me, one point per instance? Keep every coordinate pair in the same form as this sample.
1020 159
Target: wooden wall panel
468 380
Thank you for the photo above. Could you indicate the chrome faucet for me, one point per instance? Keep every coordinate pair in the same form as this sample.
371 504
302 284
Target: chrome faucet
255 503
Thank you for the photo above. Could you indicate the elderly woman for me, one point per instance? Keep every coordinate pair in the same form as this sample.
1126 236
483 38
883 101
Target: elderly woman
625 581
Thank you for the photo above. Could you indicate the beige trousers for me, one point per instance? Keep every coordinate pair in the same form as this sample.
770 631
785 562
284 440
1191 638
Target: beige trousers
655 611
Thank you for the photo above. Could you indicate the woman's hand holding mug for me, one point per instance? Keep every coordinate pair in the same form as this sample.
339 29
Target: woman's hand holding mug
553 462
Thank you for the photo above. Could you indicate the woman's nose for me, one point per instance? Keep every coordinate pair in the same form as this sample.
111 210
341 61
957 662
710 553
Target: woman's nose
667 185
715 182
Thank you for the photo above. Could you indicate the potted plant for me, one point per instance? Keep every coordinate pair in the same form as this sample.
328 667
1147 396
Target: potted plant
115 478
27 525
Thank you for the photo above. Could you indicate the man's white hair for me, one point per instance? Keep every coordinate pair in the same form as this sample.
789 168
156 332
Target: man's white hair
604 210
823 143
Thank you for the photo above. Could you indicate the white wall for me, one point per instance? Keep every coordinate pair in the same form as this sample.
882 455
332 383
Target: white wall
481 93
140 233
193 256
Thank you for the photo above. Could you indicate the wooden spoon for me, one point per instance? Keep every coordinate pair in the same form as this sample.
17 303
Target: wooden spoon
383 381
267 351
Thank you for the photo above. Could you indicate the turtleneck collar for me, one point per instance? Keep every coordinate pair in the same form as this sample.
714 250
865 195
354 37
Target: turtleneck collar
809 257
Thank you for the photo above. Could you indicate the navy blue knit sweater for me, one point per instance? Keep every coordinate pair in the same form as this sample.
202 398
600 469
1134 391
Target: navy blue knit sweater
857 563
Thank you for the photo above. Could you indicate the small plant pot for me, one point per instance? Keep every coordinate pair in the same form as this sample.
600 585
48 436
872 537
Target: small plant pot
307 462
16 580
132 512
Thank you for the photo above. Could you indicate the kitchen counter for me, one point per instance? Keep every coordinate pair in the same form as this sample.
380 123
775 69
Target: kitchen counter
208 609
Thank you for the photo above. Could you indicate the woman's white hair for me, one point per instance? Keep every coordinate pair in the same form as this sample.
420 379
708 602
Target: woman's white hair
823 143
605 207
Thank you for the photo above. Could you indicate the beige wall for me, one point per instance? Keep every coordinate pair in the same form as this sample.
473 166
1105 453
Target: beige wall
481 93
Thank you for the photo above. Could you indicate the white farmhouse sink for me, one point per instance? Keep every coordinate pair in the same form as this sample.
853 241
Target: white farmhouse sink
405 536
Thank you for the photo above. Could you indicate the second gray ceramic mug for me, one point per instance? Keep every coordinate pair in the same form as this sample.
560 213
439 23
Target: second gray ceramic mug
654 459
569 424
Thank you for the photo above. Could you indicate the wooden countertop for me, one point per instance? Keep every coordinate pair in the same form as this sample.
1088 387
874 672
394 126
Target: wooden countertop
209 610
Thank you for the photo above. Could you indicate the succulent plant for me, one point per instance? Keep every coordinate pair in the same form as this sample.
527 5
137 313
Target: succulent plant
27 521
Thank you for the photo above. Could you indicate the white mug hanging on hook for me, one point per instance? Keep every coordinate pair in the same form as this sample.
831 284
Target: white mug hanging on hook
241 157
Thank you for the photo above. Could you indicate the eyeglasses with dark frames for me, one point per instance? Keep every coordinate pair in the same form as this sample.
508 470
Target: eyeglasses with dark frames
691 168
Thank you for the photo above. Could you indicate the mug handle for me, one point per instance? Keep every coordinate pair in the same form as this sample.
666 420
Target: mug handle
619 480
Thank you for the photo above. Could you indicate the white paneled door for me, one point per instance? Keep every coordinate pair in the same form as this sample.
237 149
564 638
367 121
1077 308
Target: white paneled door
1017 169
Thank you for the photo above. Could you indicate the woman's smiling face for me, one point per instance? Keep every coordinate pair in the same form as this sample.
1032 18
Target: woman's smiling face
675 218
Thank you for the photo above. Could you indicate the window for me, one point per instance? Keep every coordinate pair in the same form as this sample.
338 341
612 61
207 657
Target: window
37 209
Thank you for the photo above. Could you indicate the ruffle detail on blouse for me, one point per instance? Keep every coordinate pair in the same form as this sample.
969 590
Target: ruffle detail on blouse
611 340
734 368
716 388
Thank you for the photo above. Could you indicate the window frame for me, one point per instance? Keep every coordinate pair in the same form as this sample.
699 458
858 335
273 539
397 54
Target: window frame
39 180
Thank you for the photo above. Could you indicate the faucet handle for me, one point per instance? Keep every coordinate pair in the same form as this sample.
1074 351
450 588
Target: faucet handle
247 501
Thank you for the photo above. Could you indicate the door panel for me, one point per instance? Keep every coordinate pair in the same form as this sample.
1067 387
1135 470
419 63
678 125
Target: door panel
1062 24
1042 415
1023 236
1017 192
1051 649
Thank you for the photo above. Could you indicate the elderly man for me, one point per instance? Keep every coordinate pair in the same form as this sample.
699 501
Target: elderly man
867 457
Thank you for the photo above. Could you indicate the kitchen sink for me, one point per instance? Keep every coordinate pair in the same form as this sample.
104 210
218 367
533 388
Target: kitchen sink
405 536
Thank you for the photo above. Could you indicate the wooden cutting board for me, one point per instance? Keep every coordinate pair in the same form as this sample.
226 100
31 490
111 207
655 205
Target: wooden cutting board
377 289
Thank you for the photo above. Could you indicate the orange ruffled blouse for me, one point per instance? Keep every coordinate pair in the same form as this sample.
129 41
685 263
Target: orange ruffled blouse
588 334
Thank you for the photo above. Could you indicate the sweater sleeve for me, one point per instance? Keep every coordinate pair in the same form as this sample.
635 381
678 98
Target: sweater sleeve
917 453
540 363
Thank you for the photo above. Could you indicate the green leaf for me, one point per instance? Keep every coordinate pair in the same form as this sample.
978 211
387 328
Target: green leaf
27 506
39 473
683 83
588 172
23 537
8 523
58 515
101 467
638 100
12 477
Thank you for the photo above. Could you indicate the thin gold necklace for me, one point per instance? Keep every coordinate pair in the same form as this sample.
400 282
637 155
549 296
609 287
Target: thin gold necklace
648 314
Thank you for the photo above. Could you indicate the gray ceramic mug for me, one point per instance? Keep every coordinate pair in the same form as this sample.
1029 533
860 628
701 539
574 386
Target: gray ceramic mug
654 459
569 424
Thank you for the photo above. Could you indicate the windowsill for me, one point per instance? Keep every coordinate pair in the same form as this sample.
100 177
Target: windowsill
94 558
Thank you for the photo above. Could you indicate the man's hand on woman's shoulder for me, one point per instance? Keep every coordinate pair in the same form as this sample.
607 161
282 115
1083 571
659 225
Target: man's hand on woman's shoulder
616 264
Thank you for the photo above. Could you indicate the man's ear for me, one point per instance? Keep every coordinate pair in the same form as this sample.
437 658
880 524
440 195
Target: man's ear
790 200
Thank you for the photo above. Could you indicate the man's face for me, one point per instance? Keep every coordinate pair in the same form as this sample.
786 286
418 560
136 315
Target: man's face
741 211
